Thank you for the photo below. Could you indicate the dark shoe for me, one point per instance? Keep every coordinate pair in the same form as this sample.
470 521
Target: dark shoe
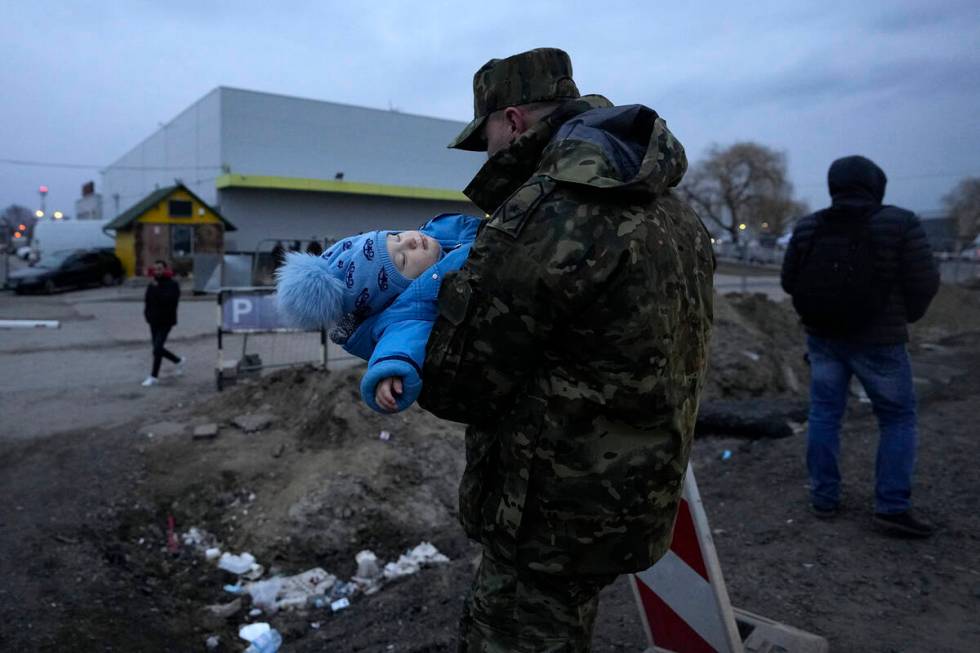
902 523
824 512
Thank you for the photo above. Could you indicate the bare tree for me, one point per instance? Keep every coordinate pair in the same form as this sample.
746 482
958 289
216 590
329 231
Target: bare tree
11 219
743 184
963 204
774 214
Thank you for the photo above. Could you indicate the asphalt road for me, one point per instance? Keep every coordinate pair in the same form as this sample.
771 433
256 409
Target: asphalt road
87 374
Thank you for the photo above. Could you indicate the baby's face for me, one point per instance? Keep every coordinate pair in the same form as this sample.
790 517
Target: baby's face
412 252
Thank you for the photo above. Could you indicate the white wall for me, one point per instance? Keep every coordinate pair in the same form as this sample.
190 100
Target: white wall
293 215
188 147
265 134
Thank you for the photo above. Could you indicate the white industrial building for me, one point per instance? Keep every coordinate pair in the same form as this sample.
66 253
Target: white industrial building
285 168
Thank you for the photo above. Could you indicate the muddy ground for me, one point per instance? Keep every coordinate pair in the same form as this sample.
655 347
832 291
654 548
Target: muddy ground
83 521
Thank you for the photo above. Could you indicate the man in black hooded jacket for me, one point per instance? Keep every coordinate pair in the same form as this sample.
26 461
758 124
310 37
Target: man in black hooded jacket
160 312
902 279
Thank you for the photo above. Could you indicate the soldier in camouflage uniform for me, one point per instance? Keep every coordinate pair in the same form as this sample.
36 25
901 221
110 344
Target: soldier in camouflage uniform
573 344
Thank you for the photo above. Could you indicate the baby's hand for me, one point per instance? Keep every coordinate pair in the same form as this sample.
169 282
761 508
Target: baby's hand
387 391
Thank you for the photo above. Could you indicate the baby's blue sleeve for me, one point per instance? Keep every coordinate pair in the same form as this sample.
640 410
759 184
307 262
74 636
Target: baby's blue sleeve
402 331
400 352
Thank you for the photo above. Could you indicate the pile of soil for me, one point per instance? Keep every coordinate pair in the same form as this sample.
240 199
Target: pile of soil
757 349
758 344
954 310
323 479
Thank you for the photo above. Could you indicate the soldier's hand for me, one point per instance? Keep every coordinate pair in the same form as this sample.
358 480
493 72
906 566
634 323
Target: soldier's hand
386 393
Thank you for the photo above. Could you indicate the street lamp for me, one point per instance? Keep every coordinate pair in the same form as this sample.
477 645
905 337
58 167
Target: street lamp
39 213
58 215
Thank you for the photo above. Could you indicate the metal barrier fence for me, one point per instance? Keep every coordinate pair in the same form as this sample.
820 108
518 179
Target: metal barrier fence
958 271
959 261
956 263
250 325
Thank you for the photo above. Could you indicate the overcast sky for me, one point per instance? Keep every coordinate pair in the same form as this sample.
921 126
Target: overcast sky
898 81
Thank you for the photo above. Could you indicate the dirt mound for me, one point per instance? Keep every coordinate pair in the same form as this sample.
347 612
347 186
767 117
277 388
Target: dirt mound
757 345
320 482
954 310
756 349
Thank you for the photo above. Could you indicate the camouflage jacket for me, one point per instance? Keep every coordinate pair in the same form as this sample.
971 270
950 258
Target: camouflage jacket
574 341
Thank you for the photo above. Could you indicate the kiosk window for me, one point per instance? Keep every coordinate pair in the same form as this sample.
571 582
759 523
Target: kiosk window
180 209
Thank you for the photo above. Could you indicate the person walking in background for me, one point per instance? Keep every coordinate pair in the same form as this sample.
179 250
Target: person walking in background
859 272
160 312
278 255
314 248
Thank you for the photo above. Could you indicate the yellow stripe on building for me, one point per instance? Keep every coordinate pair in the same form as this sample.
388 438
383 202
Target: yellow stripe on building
337 186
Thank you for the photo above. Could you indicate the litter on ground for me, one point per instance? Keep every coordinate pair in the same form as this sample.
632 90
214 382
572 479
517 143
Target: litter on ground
251 632
236 564
409 563
290 592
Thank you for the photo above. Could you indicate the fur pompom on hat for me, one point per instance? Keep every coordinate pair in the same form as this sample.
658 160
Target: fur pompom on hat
354 277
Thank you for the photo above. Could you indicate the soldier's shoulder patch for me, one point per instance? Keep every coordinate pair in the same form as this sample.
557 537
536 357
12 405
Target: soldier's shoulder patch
514 212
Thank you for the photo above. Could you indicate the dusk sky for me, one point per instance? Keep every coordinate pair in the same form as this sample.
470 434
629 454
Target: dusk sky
897 81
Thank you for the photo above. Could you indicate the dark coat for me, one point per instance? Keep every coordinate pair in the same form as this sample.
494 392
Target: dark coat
160 304
903 257
574 342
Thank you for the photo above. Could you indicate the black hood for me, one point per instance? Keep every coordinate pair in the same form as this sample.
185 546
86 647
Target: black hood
856 180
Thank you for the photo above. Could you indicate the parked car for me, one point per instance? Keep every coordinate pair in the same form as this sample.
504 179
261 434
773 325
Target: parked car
762 250
68 268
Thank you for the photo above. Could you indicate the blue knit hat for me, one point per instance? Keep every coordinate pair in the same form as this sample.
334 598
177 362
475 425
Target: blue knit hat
355 277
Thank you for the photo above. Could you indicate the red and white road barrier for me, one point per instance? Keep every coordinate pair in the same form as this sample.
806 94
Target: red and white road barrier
682 598
684 604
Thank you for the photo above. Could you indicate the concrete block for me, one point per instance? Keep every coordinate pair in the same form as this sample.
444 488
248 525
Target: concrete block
206 431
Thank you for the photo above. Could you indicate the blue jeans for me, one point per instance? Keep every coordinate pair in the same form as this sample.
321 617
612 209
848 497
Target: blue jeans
886 375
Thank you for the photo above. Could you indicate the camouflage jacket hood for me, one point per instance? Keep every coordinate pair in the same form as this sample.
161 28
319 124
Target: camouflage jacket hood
587 142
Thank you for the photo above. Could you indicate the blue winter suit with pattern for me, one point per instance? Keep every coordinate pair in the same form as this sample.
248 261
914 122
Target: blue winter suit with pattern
393 340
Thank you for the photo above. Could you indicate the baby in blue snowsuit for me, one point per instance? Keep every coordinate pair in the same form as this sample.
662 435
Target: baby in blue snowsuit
379 290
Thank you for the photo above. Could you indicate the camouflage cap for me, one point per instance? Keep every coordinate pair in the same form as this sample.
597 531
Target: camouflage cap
539 75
